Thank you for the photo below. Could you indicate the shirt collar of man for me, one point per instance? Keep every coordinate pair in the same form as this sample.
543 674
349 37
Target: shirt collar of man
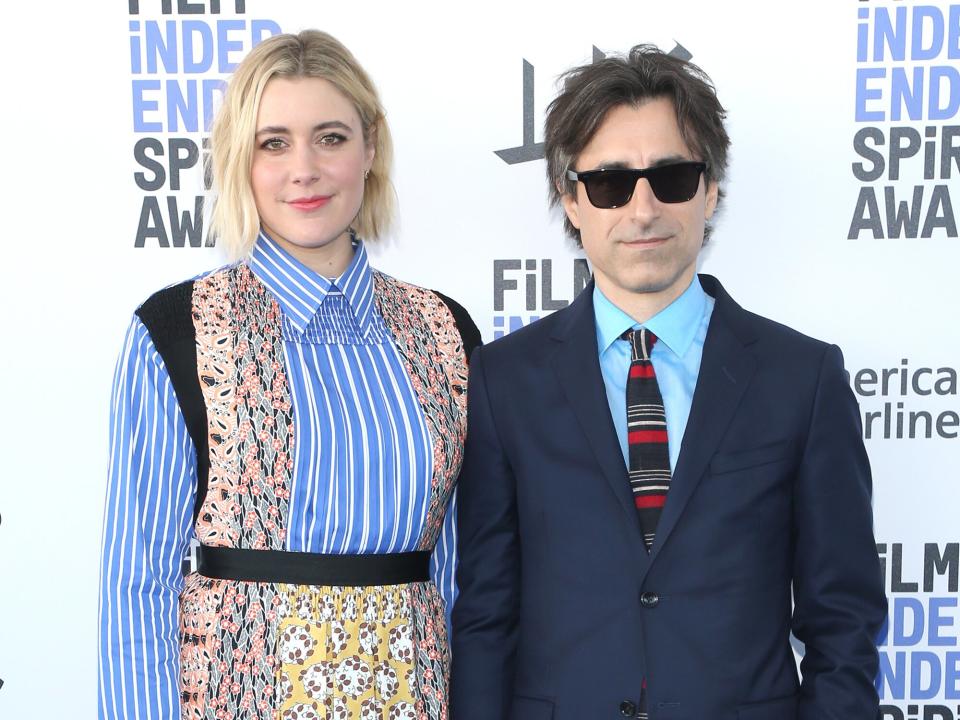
301 291
675 326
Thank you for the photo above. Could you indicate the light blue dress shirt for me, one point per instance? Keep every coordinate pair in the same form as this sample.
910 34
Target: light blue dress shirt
681 329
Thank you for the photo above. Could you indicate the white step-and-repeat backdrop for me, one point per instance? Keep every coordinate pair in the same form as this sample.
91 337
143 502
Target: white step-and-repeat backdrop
840 220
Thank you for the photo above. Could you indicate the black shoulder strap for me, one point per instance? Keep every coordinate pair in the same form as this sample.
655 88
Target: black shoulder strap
168 317
469 333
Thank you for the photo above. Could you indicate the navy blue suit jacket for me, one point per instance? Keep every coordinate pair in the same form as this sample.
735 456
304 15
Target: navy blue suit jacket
562 612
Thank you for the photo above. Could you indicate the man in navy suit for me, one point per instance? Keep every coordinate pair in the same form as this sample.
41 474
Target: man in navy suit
640 567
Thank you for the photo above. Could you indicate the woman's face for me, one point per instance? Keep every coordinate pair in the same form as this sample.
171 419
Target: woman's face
308 164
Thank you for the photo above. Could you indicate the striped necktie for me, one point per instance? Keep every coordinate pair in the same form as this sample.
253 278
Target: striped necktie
647 446
646 435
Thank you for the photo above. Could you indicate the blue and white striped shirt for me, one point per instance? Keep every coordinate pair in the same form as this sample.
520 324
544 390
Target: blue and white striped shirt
360 484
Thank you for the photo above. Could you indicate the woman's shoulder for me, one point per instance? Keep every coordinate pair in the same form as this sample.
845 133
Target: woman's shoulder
465 325
167 313
469 332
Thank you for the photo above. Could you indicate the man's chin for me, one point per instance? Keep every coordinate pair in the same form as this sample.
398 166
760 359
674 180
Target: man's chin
647 282
657 284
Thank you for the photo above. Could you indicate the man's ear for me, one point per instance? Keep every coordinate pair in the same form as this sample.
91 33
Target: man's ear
570 207
710 204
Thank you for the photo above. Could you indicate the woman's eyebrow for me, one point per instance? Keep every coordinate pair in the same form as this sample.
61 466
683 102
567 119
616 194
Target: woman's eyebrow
281 130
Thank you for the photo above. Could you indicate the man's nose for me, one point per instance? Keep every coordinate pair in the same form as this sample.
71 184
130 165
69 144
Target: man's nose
644 203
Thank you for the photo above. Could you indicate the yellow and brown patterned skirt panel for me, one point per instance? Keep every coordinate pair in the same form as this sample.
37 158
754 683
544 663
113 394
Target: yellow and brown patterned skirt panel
314 653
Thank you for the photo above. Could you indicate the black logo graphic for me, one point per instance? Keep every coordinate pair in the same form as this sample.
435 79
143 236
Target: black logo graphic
531 150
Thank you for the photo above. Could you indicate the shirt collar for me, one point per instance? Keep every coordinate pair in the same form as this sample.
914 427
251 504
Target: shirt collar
675 325
300 291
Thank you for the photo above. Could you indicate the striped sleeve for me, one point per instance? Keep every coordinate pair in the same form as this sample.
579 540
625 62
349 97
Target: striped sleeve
150 493
443 564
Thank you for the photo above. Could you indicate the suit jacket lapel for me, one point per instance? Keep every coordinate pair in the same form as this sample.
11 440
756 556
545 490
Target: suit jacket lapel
577 367
725 371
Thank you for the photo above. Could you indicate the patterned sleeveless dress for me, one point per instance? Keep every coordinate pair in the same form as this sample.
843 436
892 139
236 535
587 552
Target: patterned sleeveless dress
301 652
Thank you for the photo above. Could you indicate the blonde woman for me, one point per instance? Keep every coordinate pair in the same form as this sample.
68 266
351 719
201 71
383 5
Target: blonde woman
302 416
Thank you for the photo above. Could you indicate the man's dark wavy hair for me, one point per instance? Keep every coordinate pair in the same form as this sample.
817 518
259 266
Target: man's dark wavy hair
591 91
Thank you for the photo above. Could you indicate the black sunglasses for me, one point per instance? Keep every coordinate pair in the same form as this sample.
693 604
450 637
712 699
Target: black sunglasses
613 187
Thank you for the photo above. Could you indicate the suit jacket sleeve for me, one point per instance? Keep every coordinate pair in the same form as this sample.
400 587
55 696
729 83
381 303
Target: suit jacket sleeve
839 601
486 613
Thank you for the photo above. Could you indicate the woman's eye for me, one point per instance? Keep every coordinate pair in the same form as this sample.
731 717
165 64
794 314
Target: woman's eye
331 139
272 144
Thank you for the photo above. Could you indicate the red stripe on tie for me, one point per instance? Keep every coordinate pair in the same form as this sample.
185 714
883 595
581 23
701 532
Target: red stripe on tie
649 501
647 436
641 371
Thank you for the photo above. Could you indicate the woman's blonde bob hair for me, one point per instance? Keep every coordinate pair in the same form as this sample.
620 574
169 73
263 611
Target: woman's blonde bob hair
235 221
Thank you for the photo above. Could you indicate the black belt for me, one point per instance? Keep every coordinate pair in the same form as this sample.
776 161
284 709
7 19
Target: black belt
301 568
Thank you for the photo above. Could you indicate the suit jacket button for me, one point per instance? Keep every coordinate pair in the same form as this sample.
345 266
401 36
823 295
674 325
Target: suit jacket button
649 599
628 708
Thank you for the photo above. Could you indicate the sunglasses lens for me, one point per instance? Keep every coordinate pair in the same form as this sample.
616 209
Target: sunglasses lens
675 183
611 188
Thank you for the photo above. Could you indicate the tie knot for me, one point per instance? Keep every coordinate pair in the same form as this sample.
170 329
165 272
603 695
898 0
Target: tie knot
641 342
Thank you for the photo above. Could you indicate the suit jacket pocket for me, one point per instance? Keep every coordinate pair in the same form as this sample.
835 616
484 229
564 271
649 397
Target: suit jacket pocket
784 708
743 459
531 708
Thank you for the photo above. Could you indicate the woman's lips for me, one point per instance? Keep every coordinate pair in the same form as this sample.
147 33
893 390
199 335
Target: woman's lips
311 203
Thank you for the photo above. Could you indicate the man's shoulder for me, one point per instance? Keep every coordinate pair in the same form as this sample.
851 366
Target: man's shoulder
752 327
526 341
772 331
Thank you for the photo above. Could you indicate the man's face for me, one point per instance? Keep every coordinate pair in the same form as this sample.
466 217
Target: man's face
645 250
